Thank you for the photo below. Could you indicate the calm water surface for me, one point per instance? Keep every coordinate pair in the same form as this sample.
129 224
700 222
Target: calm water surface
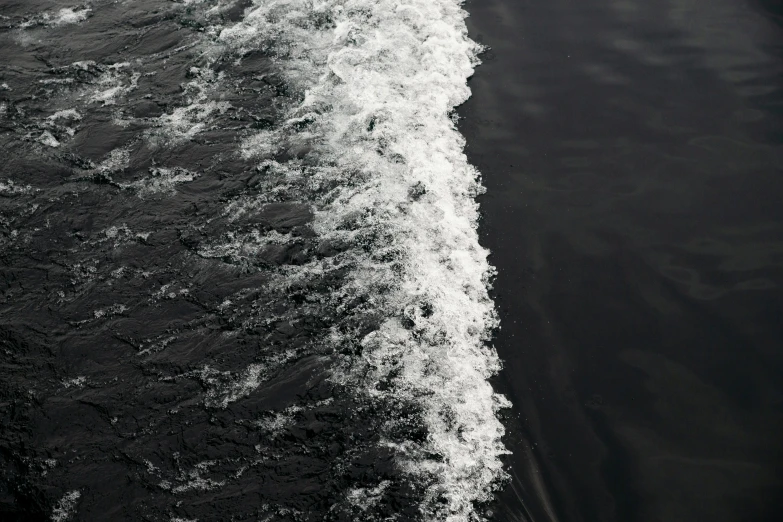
632 153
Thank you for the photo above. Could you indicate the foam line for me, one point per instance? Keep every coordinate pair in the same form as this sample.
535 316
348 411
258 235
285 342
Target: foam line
377 82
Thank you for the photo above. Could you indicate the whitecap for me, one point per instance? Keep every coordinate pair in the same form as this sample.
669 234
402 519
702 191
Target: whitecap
161 180
66 507
377 82
65 16
68 15
48 139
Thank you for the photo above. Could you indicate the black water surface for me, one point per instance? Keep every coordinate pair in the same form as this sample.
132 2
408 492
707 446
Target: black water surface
134 312
633 155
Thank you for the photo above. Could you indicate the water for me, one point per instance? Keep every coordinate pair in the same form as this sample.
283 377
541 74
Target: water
632 157
241 263
246 276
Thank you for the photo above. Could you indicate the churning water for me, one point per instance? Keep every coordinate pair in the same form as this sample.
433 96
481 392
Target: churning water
241 271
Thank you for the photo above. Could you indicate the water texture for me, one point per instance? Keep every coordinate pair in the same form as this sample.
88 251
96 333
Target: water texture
241 276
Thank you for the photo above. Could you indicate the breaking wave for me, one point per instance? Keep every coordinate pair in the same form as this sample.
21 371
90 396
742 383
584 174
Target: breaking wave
332 238
373 137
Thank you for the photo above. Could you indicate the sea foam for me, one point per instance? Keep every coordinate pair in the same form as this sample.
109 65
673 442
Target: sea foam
377 81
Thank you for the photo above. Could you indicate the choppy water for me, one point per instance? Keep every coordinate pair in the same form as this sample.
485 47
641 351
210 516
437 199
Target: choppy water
241 277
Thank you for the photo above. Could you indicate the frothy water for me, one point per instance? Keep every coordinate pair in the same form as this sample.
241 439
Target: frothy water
359 224
378 81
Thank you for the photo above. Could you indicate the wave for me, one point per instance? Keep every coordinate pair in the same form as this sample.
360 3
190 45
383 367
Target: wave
372 132
346 204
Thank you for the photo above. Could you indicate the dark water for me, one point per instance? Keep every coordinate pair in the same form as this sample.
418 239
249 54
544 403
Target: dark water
212 301
633 157
240 277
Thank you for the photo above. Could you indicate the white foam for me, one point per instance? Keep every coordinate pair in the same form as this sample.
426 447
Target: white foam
113 83
115 309
69 15
378 85
113 232
83 65
77 382
161 180
276 424
117 235
183 123
65 16
243 247
68 114
375 83
165 292
54 122
10 188
364 498
192 480
156 346
116 161
227 387
47 138
66 507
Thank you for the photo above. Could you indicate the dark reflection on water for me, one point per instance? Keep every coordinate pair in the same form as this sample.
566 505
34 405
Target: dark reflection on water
633 154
